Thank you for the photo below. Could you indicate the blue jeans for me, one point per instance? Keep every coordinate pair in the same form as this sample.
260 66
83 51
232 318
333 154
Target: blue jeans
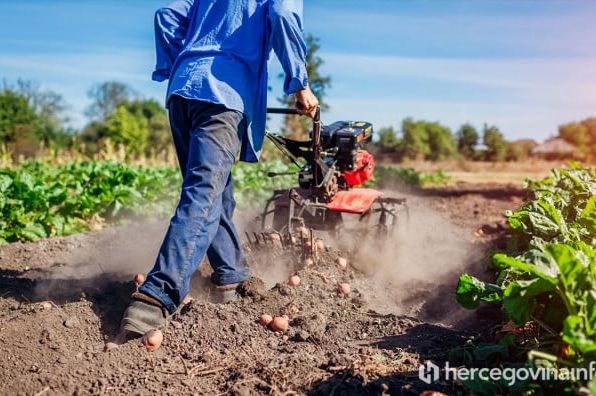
207 138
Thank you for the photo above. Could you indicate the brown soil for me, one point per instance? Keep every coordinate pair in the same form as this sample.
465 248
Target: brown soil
335 344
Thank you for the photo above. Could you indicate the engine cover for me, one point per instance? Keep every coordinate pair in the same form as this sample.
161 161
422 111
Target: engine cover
364 169
345 139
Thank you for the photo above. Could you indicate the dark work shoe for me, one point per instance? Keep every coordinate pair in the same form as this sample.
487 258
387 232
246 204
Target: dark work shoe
142 315
226 293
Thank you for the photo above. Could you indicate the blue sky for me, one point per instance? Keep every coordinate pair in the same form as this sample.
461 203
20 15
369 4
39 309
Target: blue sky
526 66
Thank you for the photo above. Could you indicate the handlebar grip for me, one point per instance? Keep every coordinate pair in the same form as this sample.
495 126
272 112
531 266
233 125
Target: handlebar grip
278 110
282 111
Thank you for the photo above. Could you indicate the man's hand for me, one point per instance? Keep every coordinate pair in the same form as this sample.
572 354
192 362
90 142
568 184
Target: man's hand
306 102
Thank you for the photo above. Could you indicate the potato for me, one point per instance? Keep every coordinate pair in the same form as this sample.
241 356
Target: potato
320 245
344 289
152 339
304 232
265 320
280 323
341 263
294 280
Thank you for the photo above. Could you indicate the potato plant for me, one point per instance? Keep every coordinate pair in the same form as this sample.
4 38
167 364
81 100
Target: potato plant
39 199
548 276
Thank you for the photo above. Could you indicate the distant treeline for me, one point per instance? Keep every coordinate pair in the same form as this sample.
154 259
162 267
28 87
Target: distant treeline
33 119
423 140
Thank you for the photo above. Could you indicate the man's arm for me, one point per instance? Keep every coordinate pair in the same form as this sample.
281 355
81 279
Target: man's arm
171 25
285 18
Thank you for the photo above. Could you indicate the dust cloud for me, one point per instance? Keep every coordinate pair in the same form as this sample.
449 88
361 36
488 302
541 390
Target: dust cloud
115 254
98 259
269 265
416 271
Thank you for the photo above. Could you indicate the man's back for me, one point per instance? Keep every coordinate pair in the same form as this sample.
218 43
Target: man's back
217 51
235 28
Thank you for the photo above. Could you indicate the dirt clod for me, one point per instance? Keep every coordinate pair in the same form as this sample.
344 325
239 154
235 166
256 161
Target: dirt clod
252 287
109 346
71 322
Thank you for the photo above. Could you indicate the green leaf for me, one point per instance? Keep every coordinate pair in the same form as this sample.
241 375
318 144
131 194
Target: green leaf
575 335
518 220
5 182
470 291
57 223
519 298
26 179
33 232
547 220
547 271
588 216
74 226
592 386
573 270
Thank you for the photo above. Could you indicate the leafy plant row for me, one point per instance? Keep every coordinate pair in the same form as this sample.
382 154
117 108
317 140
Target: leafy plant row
39 200
547 279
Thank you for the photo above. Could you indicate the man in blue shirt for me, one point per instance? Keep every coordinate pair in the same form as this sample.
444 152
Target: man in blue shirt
215 54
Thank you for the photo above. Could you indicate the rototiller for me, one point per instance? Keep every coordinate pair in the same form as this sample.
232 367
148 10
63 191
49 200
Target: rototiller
332 164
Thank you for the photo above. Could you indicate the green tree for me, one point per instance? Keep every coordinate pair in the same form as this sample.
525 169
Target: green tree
467 140
582 135
106 97
15 114
440 141
388 139
92 135
496 145
520 150
128 129
415 139
426 140
298 127
158 125
49 107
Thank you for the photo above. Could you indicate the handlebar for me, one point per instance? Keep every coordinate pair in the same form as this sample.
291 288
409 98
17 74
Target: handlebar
282 111
315 138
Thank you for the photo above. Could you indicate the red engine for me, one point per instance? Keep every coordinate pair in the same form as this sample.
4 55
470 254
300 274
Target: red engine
364 168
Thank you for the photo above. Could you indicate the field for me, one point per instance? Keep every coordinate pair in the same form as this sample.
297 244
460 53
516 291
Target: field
61 297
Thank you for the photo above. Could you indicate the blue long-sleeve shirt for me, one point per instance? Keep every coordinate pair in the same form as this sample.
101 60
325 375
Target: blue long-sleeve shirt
218 50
